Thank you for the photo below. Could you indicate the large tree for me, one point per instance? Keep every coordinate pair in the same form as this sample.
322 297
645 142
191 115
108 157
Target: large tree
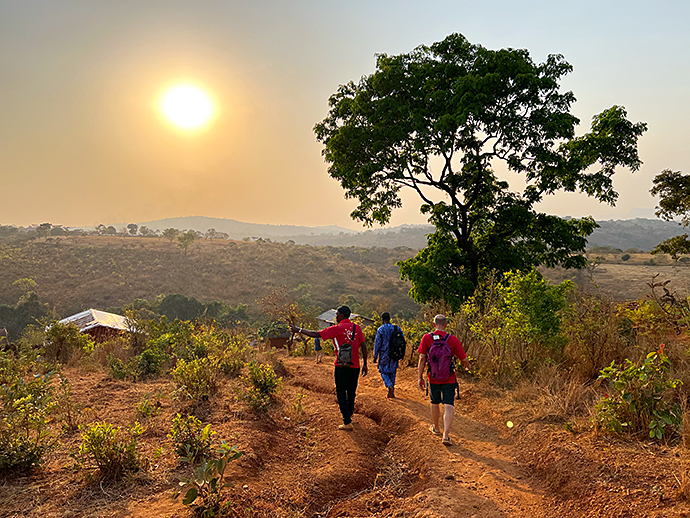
438 121
673 189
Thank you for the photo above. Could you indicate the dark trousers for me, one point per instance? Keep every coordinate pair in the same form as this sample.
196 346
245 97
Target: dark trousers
346 379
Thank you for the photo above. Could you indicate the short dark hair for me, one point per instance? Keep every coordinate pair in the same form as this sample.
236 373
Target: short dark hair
385 315
344 311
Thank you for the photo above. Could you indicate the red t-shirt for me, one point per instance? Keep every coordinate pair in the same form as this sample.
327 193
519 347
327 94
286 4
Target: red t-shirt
341 333
455 348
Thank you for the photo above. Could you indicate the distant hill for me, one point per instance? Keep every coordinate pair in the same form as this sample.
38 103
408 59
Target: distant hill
640 233
102 272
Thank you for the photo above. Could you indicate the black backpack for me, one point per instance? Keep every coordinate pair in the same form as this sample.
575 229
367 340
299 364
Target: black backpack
396 345
344 358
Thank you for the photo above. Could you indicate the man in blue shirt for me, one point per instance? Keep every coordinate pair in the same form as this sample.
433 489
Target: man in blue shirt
387 367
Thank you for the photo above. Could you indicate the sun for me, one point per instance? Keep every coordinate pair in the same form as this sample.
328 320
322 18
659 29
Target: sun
187 106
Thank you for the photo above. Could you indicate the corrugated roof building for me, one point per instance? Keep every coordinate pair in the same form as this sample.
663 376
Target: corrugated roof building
98 324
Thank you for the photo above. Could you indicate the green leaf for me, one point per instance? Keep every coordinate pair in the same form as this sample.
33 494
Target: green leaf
190 496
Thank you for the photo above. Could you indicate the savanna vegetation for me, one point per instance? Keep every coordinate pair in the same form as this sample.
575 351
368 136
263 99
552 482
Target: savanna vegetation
573 366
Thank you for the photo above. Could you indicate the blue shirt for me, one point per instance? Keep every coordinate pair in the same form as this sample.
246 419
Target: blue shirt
381 343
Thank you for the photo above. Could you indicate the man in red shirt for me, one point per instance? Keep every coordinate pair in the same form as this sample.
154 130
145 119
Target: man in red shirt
349 341
437 349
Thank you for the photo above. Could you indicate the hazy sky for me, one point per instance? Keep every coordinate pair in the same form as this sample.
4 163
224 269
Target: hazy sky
82 141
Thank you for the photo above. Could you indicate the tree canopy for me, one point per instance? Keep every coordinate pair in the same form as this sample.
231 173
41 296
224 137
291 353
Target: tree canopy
673 189
439 120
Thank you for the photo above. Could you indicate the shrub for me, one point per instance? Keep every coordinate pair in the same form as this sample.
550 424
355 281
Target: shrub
233 358
62 340
196 378
638 402
24 433
514 324
207 481
263 384
122 370
190 440
150 361
111 448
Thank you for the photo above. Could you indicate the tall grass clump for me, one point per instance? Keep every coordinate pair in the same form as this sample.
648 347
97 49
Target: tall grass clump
598 333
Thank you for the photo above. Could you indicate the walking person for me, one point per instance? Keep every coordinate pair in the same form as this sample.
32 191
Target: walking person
388 367
438 350
349 347
318 349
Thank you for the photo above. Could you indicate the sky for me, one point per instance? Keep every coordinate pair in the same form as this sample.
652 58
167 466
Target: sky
83 142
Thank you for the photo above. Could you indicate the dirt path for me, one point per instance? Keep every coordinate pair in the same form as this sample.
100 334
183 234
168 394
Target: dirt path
476 477
297 464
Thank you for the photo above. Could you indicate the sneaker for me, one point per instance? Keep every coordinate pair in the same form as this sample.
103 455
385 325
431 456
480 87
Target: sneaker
434 430
391 392
346 427
447 442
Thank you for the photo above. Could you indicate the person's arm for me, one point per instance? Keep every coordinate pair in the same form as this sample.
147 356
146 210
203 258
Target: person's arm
420 368
363 354
305 332
377 344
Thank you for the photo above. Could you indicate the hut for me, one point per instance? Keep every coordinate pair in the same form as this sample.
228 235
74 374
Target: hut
327 318
99 324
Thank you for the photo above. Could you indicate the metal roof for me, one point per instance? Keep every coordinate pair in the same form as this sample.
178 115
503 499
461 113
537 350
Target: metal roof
92 318
327 318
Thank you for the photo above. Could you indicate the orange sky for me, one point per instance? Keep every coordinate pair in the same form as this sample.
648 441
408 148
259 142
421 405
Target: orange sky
82 140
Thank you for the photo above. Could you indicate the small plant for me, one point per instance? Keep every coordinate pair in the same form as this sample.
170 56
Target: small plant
24 417
146 409
638 403
207 481
190 440
111 448
68 411
297 405
195 379
263 384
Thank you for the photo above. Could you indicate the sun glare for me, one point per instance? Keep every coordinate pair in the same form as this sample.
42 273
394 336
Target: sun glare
187 107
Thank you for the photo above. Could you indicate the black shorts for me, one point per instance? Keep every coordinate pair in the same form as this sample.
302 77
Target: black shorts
442 393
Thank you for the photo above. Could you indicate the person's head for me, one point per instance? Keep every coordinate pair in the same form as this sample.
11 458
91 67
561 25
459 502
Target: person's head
386 317
440 321
342 313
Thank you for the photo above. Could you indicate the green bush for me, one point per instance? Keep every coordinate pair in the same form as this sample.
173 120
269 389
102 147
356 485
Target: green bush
62 340
151 361
207 481
263 384
112 449
639 401
232 358
514 324
24 417
196 378
191 440
122 370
